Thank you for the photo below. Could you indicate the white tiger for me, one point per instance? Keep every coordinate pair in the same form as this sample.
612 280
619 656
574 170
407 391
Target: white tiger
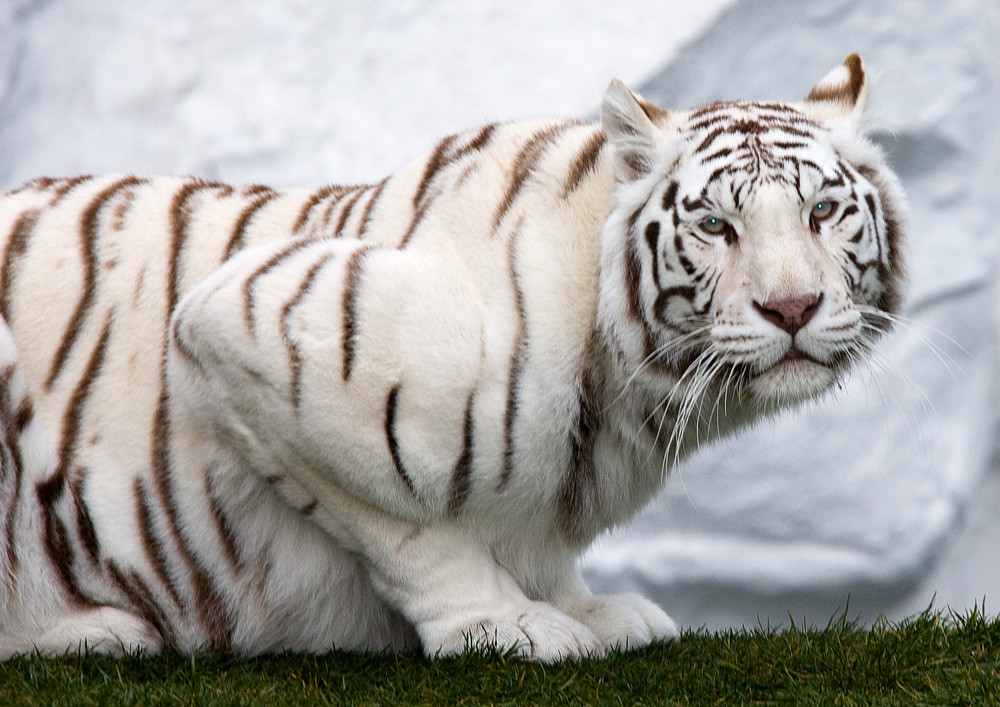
394 415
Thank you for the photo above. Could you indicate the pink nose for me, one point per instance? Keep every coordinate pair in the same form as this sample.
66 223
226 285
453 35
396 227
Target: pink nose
790 314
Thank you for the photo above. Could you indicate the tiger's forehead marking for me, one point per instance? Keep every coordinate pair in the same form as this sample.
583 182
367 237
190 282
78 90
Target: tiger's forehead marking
753 142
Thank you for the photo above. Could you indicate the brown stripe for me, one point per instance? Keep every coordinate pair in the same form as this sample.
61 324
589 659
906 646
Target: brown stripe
435 164
584 163
524 164
633 286
212 611
345 213
140 600
89 238
349 314
580 493
263 268
461 476
151 543
477 143
56 539
180 219
294 357
17 245
222 526
319 195
369 207
390 437
514 368
78 401
237 239
84 523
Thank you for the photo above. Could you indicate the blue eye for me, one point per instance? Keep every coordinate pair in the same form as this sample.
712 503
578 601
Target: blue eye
714 225
823 210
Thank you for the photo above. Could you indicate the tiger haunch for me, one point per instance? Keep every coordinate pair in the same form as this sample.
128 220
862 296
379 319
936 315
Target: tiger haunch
392 415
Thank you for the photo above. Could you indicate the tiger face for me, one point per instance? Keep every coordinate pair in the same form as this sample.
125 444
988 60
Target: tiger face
760 241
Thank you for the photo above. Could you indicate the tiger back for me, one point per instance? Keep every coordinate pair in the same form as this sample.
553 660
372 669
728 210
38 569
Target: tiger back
394 415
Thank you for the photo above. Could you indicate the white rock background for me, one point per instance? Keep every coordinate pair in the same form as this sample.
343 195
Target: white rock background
887 493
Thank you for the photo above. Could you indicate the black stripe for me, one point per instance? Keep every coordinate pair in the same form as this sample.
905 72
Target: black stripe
663 299
349 304
390 437
89 237
652 235
294 357
461 476
633 286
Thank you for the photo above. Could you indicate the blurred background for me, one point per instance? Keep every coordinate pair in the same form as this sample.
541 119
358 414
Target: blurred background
877 500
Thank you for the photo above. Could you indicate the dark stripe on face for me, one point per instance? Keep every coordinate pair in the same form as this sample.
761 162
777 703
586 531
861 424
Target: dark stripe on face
89 240
633 287
584 163
294 357
461 475
390 437
151 543
237 239
248 284
685 292
524 164
682 258
349 313
17 245
653 243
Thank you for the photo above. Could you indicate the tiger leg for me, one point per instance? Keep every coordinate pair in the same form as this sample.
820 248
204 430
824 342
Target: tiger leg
618 620
34 615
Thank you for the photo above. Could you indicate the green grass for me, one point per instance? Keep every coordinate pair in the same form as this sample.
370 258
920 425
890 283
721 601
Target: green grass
931 659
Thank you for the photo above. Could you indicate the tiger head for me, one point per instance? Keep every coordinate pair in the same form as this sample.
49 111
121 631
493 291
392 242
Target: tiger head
754 247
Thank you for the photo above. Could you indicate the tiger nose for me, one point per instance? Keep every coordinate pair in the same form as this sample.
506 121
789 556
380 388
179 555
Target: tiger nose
789 314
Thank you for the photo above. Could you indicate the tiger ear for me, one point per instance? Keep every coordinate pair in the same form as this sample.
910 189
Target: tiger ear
839 99
630 125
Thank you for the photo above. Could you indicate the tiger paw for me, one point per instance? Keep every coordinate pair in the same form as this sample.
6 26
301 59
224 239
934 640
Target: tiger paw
624 621
538 632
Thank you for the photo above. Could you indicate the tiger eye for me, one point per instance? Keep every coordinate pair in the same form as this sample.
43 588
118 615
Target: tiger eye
714 225
823 210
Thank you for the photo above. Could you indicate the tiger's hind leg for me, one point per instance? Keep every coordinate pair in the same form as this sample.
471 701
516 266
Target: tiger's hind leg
32 616
101 629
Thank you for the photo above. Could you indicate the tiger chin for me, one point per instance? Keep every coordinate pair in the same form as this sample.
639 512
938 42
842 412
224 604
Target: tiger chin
392 416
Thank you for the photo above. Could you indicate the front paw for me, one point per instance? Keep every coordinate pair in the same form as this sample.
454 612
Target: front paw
538 631
624 621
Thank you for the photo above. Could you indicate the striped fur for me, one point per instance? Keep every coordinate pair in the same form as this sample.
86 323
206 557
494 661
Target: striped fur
393 415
